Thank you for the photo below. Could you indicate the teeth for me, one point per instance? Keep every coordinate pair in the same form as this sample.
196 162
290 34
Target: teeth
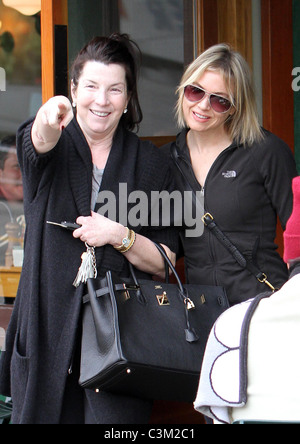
99 114
200 116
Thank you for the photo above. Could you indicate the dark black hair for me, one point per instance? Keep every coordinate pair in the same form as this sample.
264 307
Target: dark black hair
118 49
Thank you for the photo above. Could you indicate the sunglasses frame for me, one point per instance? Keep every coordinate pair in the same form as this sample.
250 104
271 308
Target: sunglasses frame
206 93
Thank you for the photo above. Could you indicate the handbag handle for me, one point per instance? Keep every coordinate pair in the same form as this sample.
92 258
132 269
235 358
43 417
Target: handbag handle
168 265
190 333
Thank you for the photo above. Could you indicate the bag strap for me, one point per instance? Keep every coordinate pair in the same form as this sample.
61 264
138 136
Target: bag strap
210 223
190 333
168 265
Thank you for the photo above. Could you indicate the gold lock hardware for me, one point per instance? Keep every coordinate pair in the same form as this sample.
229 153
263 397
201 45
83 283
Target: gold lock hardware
189 304
162 299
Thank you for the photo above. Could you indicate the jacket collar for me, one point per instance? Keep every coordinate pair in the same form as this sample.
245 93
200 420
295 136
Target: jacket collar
182 147
80 165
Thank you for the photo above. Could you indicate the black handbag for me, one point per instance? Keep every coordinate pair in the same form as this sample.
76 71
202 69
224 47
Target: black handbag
144 338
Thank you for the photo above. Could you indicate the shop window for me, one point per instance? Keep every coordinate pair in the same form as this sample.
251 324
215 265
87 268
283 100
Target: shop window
158 28
20 98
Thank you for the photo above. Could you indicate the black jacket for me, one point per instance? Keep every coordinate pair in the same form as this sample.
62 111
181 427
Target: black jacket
245 189
57 187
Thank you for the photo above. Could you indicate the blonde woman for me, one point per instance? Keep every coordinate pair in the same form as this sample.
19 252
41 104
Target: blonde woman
243 171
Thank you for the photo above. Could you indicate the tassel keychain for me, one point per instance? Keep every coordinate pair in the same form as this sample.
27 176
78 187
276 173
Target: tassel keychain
88 268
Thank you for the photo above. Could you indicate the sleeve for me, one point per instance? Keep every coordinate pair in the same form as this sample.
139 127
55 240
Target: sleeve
35 168
277 165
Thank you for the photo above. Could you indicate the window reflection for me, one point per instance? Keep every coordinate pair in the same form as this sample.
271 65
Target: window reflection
20 57
158 28
12 223
20 98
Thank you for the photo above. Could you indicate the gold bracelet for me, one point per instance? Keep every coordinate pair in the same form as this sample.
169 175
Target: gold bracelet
132 241
127 242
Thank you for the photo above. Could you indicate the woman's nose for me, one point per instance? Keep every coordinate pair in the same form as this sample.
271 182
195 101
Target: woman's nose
205 102
102 97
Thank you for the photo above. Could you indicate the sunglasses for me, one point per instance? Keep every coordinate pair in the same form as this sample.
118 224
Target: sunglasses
217 103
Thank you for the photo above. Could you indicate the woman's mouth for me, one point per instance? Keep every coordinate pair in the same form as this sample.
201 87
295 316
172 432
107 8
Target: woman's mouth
200 116
99 113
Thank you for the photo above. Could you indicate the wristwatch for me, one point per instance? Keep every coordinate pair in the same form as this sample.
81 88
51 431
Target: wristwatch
127 242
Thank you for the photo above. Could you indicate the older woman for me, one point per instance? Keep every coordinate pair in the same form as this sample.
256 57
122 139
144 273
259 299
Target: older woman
66 162
242 173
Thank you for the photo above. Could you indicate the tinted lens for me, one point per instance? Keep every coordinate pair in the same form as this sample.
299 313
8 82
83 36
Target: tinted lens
193 94
219 104
196 94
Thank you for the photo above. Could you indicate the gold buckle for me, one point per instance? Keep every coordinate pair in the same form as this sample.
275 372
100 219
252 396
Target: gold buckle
207 215
264 280
128 288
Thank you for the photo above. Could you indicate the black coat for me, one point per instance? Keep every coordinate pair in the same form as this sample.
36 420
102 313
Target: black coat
246 189
57 186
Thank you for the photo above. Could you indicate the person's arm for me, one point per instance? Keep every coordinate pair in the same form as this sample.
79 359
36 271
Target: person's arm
50 120
276 164
97 231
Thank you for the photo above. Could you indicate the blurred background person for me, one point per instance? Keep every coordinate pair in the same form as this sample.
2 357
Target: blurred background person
11 194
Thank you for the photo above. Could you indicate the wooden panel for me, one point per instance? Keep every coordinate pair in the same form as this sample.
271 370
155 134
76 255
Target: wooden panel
5 315
9 281
53 12
277 56
226 21
235 25
207 32
296 64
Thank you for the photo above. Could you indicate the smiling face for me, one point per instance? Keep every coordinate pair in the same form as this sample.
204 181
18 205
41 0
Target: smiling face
11 186
199 116
101 98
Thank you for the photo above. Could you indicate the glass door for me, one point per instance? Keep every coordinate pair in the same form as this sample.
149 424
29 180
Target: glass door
20 98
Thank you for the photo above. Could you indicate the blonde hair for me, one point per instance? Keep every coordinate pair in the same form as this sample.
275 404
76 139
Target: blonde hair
243 125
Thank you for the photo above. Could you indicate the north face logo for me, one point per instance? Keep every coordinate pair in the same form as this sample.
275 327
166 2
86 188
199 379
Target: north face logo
229 174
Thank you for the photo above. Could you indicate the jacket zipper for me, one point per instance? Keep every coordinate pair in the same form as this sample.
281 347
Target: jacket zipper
202 190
